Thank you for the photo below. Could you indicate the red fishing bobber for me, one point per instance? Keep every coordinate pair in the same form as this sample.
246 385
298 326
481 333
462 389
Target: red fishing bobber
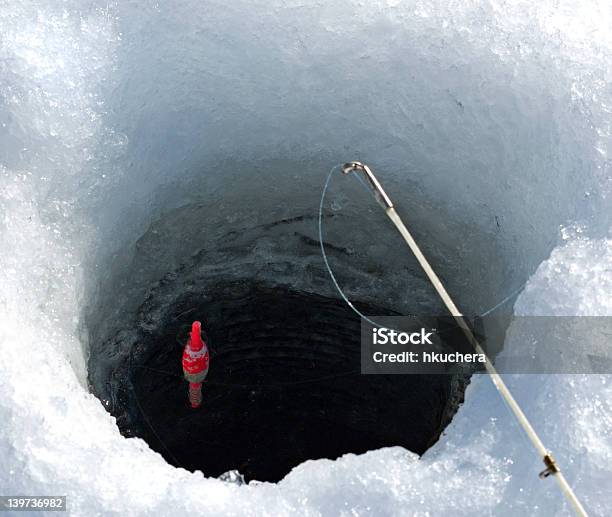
195 364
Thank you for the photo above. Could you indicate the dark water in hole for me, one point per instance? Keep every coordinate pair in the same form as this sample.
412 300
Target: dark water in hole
283 387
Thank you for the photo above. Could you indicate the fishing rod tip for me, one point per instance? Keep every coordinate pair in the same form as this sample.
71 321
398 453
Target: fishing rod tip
349 167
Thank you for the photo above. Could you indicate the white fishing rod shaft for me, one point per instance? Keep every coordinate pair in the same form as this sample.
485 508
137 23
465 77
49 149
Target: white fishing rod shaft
500 385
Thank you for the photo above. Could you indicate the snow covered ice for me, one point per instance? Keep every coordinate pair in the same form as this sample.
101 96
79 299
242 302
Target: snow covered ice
490 124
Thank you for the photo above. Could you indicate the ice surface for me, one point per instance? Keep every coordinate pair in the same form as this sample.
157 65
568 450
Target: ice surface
490 122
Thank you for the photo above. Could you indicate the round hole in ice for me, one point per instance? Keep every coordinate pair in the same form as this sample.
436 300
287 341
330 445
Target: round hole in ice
284 384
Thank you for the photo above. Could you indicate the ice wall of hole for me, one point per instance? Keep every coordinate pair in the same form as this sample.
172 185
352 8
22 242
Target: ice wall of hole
219 168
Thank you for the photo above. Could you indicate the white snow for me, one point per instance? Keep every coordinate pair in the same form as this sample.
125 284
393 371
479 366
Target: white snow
490 122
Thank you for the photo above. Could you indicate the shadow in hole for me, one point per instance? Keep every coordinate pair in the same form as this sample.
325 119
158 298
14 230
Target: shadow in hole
283 387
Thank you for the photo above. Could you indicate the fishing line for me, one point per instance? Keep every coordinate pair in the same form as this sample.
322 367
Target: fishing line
333 276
